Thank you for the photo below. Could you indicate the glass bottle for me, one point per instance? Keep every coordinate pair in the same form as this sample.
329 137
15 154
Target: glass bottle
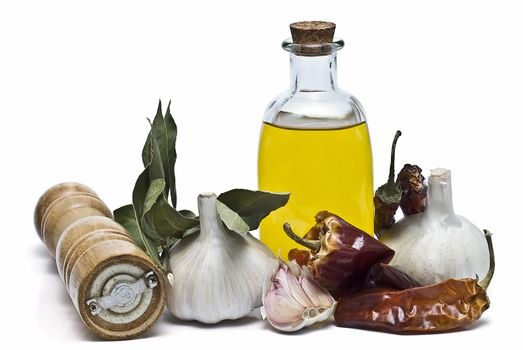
314 142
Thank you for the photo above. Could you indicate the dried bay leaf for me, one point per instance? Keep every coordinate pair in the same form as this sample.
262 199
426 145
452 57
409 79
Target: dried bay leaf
155 190
231 219
168 222
253 206
164 131
125 217
140 190
171 134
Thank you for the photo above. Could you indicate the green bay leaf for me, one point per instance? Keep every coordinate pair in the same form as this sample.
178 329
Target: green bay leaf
151 247
141 187
156 170
253 206
140 191
146 151
171 134
155 190
188 213
125 217
231 219
168 222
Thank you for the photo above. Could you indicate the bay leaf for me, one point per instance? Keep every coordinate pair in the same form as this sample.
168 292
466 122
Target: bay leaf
149 230
253 206
125 217
155 190
164 131
146 150
140 190
167 221
231 219
141 187
188 213
171 134
156 167
151 247
191 231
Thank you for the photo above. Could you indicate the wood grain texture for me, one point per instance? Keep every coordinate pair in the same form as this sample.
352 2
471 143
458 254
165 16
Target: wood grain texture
52 194
76 231
66 210
86 242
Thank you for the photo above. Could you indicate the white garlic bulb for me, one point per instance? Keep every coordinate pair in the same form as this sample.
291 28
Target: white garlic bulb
295 300
217 274
437 244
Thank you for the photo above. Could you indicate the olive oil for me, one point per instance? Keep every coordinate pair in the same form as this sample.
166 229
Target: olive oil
314 142
324 169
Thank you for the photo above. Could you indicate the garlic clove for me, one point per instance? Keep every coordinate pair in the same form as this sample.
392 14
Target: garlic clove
313 289
284 310
292 285
295 300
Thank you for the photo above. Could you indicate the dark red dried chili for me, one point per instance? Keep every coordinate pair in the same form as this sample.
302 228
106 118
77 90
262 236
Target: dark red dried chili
439 307
341 255
301 256
386 276
387 197
414 191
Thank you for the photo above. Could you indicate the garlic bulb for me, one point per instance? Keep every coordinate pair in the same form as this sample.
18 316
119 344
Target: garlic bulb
295 300
437 244
217 274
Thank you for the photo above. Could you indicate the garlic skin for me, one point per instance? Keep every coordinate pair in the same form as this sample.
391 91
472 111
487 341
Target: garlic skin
295 300
217 274
437 244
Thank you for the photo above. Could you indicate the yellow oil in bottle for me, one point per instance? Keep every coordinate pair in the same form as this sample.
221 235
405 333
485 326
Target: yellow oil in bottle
324 169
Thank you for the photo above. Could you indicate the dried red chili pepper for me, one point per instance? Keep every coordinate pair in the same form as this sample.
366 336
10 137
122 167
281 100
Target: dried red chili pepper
386 276
414 191
301 256
387 197
379 275
439 307
341 254
459 302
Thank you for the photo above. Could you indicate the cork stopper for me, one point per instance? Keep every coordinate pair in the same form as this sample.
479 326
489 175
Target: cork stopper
312 32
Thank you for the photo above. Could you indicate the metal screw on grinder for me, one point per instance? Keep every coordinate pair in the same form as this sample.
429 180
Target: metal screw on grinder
151 280
94 307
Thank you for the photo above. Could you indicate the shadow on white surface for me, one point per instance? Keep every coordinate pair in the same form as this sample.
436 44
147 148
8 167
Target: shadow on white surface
251 321
56 315
245 321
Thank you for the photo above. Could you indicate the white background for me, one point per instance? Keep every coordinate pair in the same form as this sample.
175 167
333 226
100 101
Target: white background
77 81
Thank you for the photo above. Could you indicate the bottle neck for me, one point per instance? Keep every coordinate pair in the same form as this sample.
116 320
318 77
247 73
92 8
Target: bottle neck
313 73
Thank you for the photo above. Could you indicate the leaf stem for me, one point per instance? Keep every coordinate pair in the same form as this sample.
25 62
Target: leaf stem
308 243
484 283
393 157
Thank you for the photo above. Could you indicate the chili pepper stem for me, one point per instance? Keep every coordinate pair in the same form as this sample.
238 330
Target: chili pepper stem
484 283
308 243
393 157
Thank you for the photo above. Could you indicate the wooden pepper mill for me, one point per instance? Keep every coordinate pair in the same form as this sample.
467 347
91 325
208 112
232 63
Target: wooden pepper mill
116 288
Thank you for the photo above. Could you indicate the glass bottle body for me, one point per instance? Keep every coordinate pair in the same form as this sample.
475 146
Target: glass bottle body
315 144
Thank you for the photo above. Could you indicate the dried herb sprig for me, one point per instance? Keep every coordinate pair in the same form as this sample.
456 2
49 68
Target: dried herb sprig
387 196
155 224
